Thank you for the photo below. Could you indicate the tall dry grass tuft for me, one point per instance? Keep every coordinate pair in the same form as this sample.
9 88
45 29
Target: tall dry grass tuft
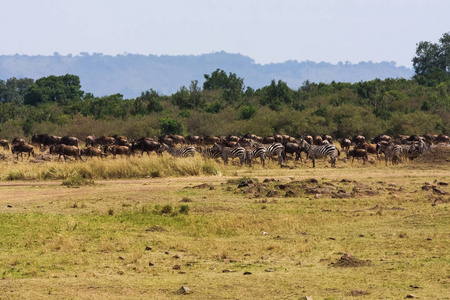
109 168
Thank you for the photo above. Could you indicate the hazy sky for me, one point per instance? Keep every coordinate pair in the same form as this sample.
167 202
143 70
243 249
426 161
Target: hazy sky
267 31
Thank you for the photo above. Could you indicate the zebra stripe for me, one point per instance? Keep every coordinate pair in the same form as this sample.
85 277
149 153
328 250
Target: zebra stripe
182 152
391 152
210 153
228 152
321 151
275 149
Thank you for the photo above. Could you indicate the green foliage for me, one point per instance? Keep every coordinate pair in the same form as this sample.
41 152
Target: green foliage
248 112
170 126
63 90
231 86
275 95
14 90
432 61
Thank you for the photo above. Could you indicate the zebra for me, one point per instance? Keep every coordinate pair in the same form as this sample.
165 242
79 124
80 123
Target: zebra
315 151
275 149
417 149
181 152
210 153
228 152
391 152
251 154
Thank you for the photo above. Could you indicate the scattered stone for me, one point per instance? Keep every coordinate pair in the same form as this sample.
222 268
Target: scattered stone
151 264
442 183
148 248
227 271
176 256
411 296
184 290
265 233
176 267
358 293
9 206
272 194
438 191
332 238
247 273
203 186
270 270
121 258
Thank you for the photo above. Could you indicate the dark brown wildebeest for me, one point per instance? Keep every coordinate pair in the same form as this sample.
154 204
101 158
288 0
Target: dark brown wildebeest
89 140
250 136
69 141
441 138
268 140
358 140
345 144
65 150
210 140
370 148
232 138
44 140
4 144
194 140
21 148
318 140
278 138
328 138
104 141
381 138
17 141
309 139
293 148
91 152
145 146
117 150
359 153
178 139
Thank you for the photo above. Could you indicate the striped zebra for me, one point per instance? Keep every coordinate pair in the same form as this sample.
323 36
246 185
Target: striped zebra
275 149
391 152
417 149
228 152
181 152
210 153
251 154
321 151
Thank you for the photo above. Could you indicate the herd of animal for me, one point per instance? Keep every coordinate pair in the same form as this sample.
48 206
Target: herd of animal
247 148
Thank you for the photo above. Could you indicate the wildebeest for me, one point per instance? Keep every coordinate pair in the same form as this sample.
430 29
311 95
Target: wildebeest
358 140
359 153
318 140
21 148
345 144
145 145
194 139
104 141
370 148
268 140
89 140
65 150
44 140
117 150
17 141
293 148
91 151
69 141
5 144
381 138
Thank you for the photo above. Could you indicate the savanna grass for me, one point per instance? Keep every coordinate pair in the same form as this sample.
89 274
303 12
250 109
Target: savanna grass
119 168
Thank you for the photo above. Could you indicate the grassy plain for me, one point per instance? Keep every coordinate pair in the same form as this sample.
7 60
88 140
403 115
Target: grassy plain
290 228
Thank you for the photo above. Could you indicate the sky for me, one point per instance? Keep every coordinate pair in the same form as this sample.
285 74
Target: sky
267 31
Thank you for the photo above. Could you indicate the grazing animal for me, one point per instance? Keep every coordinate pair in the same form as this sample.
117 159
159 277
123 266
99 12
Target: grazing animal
117 150
228 152
359 153
293 148
145 145
315 151
391 152
21 148
89 140
275 149
65 150
370 148
17 141
260 152
181 152
4 144
91 152
345 144
69 141
104 141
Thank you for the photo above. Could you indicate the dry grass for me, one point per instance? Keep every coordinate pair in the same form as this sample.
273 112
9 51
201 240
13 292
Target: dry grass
90 241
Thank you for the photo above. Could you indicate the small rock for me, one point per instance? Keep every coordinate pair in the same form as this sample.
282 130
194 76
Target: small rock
8 205
151 264
120 257
176 267
226 271
247 273
270 270
147 248
411 296
265 233
184 290
176 256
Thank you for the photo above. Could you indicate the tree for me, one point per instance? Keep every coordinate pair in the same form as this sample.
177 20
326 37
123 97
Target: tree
14 90
64 90
170 126
232 86
432 61
153 100
275 94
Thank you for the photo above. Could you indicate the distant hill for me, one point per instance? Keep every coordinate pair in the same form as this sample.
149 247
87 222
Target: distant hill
132 74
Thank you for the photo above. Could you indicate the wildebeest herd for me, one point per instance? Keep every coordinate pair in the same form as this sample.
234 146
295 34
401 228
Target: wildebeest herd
247 148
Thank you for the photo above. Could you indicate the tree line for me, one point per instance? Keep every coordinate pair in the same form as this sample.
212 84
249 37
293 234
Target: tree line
224 105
